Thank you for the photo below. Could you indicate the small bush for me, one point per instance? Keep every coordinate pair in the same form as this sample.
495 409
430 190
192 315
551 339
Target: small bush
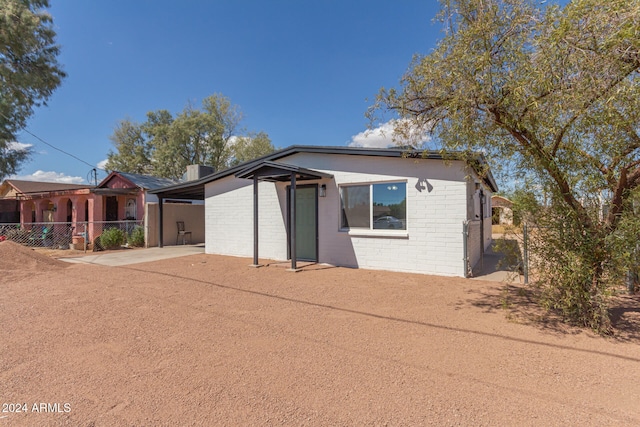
112 238
136 238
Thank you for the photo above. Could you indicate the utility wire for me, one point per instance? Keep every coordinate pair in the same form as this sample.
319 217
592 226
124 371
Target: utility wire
60 150
54 147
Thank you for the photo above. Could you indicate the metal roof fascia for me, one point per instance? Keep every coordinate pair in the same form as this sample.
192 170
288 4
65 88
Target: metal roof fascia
294 149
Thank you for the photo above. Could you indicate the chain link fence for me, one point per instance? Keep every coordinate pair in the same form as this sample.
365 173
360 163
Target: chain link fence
64 235
58 235
532 232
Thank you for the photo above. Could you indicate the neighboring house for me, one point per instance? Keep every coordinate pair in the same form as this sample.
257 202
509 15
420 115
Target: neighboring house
502 210
124 195
119 197
35 201
9 211
385 209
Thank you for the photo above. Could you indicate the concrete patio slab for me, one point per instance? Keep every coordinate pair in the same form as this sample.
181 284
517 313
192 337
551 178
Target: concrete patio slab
135 256
494 267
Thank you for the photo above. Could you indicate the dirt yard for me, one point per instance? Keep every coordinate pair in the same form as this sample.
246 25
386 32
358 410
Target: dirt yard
206 340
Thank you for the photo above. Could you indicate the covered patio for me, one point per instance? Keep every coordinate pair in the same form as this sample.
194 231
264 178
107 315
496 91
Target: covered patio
265 170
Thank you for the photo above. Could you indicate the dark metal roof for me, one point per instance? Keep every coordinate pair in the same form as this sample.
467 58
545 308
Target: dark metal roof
148 182
274 172
195 189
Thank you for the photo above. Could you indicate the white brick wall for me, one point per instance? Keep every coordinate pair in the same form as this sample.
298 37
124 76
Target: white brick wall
474 210
229 219
433 242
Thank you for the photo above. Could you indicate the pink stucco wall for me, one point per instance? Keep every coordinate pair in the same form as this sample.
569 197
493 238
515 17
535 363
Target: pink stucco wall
84 206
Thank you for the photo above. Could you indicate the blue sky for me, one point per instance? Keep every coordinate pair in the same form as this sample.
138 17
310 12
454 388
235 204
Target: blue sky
304 72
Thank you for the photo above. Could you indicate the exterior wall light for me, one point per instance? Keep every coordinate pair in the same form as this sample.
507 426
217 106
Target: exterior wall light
323 190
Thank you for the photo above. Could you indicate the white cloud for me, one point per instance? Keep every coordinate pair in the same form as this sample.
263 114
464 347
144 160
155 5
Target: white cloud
102 164
233 140
386 135
380 137
18 146
50 176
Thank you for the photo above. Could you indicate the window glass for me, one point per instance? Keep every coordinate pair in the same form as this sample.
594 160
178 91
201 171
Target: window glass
390 206
355 203
374 206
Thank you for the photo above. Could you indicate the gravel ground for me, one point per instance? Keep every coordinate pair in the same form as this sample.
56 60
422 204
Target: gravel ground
206 340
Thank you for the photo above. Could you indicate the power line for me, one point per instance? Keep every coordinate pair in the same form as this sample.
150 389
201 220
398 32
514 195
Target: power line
60 150
56 148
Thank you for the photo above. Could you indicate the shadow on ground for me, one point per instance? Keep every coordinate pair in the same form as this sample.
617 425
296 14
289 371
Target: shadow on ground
625 315
519 302
501 262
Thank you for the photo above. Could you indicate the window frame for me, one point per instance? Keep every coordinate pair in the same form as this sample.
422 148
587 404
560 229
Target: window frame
370 231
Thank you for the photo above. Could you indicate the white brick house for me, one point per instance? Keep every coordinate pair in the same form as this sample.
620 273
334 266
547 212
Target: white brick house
381 209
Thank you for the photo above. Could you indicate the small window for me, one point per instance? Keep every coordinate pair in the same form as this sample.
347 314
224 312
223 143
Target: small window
374 206
130 211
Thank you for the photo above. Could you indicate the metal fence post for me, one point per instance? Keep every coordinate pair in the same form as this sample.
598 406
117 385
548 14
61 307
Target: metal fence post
465 238
525 231
633 276
86 235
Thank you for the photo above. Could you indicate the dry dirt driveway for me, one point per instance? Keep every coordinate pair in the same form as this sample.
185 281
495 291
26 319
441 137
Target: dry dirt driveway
206 340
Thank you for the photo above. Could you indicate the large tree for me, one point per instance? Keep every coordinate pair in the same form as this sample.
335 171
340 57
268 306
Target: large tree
250 147
553 95
164 145
29 72
133 150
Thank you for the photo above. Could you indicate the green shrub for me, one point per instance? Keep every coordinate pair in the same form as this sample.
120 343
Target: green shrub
112 238
136 238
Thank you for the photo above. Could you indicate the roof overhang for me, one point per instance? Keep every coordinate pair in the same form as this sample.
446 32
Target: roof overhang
187 191
280 172
194 190
115 191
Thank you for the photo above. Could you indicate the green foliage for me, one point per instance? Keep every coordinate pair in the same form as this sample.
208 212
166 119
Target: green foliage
250 147
399 210
552 96
136 238
133 151
29 72
164 146
572 265
12 156
112 238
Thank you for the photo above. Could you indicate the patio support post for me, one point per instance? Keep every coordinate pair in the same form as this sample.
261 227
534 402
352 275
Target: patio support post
255 222
292 223
160 221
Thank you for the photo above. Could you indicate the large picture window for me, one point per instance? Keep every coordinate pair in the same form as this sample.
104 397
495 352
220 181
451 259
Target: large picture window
374 206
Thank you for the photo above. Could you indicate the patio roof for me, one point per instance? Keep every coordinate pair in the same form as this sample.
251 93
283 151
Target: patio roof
280 172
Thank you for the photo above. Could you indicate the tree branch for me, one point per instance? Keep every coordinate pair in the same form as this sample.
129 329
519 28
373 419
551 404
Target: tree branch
633 136
616 205
536 149
588 104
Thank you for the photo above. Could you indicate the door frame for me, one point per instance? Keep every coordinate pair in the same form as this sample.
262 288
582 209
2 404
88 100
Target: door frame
288 191
111 208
